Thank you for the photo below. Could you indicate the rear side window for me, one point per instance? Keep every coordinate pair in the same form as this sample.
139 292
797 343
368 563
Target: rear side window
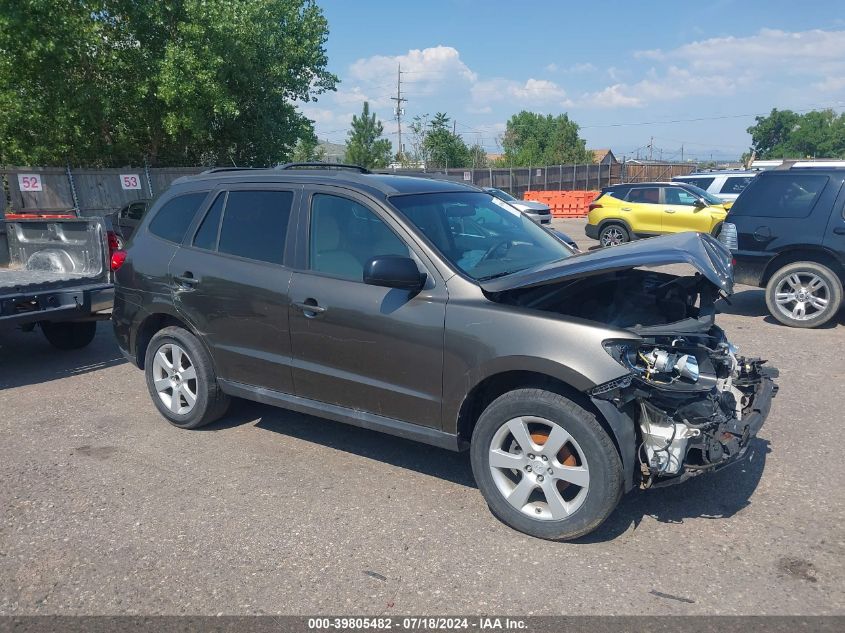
781 196
646 195
735 184
206 236
702 183
172 220
255 225
618 193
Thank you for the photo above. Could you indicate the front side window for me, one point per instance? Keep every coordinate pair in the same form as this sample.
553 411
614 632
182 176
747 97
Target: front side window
175 216
644 195
345 235
255 225
676 195
785 195
478 234
735 184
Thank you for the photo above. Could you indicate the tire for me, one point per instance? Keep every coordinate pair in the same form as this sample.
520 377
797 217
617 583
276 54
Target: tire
69 335
613 234
179 347
804 294
589 452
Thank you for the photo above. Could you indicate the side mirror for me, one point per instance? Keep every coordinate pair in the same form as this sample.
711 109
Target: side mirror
394 271
700 204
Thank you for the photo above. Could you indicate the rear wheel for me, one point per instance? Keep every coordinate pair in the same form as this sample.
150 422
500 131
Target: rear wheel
545 465
181 379
613 235
69 334
804 294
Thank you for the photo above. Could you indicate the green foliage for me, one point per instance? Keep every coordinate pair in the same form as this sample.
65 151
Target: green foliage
534 139
442 148
103 82
365 146
787 134
307 149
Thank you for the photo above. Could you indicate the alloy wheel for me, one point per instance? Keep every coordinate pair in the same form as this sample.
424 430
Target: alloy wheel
802 296
175 378
539 468
612 236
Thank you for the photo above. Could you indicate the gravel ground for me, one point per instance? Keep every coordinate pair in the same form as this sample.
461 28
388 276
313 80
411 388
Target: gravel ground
106 509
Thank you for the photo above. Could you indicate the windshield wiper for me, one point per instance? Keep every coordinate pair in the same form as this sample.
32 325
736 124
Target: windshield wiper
497 275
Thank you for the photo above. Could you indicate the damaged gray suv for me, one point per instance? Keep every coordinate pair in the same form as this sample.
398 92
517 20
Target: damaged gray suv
432 311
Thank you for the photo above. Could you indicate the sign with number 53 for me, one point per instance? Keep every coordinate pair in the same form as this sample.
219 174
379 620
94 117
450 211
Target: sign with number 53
29 182
130 181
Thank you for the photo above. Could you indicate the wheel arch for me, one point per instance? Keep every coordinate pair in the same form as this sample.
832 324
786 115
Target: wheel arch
495 385
156 322
816 254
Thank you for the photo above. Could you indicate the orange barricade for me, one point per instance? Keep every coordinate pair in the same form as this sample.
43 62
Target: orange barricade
564 204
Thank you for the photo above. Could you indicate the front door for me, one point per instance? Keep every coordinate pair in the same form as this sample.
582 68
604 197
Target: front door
680 212
232 285
364 347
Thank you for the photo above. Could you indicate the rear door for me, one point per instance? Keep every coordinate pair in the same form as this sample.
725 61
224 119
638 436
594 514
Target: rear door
681 214
231 282
363 347
834 238
642 210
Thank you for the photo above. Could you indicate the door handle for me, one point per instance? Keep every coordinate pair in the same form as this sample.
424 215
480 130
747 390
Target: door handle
187 279
839 230
309 308
625 209
669 210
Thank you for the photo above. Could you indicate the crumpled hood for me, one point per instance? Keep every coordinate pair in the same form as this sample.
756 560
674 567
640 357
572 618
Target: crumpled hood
699 250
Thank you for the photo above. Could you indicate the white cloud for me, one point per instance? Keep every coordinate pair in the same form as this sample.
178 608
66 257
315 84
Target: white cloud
537 91
427 68
725 66
551 68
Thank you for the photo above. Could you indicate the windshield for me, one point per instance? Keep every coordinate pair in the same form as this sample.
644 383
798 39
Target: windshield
502 195
479 234
709 197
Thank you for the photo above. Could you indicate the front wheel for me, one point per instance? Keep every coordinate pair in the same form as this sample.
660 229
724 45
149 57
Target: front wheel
68 335
614 235
545 465
804 294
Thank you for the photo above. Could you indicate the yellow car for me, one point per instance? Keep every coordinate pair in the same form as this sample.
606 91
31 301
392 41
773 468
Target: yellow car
625 212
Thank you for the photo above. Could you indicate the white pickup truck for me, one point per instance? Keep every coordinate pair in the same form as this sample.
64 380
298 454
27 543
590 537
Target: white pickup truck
55 272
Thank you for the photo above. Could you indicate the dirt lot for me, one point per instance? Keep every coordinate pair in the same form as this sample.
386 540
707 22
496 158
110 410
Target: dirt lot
105 508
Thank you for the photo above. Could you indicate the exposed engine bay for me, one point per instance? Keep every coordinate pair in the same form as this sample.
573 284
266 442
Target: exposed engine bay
695 402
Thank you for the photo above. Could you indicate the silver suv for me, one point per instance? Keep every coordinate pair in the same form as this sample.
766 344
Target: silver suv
726 185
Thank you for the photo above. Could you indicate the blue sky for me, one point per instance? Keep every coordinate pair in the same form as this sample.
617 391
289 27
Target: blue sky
620 69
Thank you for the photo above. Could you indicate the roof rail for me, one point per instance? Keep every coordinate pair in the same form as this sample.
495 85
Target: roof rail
318 165
215 170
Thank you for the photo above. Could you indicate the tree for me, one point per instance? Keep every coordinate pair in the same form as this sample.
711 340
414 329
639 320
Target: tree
787 134
108 81
365 146
307 148
534 139
442 147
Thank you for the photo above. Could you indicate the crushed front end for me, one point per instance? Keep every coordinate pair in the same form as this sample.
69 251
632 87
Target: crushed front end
695 402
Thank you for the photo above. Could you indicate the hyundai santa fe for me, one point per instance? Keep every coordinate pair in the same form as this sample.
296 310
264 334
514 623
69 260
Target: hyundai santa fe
370 299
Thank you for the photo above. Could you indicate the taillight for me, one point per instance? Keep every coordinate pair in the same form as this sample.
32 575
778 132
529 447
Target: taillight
116 255
594 205
117 259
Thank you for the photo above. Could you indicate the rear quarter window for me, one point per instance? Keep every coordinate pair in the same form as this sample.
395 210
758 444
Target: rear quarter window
175 216
703 183
780 196
735 184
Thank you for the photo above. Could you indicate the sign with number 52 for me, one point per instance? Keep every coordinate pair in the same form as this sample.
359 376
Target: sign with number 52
29 182
130 181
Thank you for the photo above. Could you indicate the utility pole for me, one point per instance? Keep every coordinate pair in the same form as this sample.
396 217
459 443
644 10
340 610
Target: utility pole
399 99
682 152
651 148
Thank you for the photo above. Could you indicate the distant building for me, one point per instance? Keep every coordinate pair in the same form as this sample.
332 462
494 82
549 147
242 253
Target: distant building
603 157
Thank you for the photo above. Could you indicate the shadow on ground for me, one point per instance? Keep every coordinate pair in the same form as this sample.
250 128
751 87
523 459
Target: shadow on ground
714 496
26 358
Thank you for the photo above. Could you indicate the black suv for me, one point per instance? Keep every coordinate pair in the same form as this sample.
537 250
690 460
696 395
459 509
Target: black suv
787 234
433 311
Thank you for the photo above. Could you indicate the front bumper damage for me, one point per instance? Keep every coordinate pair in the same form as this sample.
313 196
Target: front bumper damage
671 430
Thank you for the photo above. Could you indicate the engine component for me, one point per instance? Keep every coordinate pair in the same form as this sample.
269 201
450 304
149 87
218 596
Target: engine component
664 362
664 440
